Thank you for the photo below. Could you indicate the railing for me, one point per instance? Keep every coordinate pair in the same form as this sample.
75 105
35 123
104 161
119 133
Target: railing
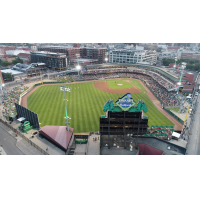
23 93
71 142
24 137
87 146
175 116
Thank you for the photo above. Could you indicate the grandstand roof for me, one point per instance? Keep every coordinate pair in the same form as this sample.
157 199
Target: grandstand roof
173 78
58 135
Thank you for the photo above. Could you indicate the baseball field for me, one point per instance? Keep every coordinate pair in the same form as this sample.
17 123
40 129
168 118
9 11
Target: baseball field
85 103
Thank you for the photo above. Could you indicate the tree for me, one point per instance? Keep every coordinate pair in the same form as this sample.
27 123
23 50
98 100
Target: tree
5 63
14 62
1 61
167 61
9 76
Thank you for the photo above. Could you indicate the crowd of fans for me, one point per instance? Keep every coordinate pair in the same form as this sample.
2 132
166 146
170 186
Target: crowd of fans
160 79
9 99
156 83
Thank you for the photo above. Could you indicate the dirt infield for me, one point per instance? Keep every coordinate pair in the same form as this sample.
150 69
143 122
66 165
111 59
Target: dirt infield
103 86
178 125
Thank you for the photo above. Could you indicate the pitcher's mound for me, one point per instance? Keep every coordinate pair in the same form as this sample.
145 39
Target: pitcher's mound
105 88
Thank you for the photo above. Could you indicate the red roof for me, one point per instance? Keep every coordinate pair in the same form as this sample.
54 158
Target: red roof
25 49
58 135
6 56
24 55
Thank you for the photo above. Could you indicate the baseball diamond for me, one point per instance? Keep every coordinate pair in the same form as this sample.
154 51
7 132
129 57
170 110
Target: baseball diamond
85 103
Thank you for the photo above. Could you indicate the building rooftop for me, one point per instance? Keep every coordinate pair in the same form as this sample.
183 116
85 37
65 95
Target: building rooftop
6 56
58 135
176 48
24 55
167 148
83 60
47 53
11 71
58 47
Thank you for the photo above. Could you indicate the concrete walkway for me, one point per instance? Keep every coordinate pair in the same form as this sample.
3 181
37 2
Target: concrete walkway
21 144
93 146
2 152
41 142
181 116
179 142
193 147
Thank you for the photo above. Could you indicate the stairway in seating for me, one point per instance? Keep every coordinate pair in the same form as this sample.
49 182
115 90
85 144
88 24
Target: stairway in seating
72 147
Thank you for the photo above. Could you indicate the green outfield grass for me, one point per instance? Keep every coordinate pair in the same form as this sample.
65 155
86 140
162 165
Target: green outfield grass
85 106
114 85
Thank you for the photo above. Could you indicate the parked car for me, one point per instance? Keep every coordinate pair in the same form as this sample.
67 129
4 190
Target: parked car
196 93
189 96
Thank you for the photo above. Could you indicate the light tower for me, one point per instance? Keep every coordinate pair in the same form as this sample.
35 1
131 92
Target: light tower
106 59
78 67
179 84
63 88
175 63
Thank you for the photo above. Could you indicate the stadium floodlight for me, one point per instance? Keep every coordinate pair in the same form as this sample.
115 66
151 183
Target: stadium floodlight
78 67
175 63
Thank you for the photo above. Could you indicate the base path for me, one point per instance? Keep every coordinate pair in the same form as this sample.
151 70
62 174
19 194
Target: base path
178 125
103 86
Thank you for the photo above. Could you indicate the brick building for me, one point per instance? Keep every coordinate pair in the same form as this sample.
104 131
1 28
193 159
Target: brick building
3 49
77 45
7 58
52 60
94 53
25 57
81 52
190 55
189 77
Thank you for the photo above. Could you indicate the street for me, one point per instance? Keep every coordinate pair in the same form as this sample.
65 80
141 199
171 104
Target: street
8 142
193 147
